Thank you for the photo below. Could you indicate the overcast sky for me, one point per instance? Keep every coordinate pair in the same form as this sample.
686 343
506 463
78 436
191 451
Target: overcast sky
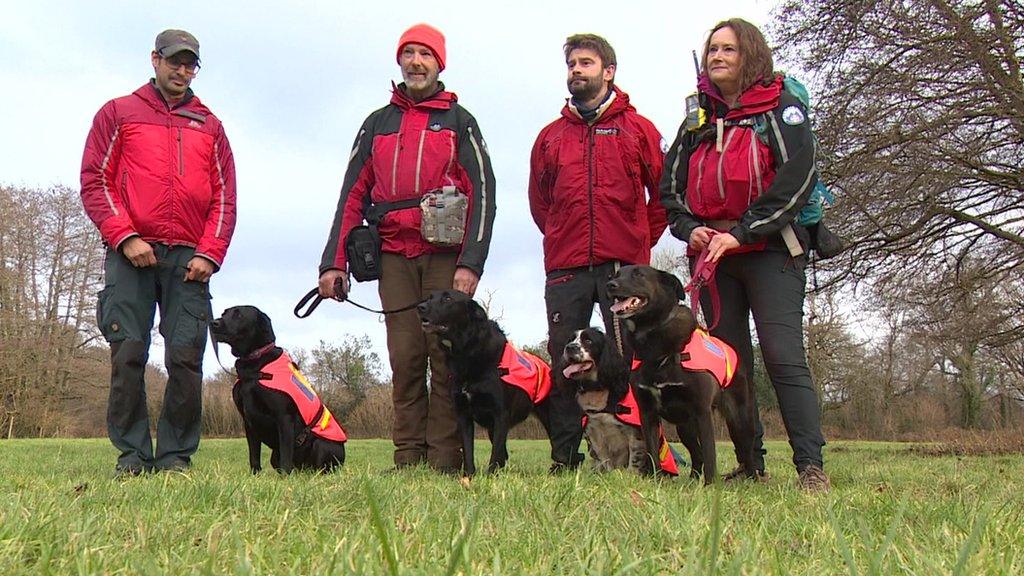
292 83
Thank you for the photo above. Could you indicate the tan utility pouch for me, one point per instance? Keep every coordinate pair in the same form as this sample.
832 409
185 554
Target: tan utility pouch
444 216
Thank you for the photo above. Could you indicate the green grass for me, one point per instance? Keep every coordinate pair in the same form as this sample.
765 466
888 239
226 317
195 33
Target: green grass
889 512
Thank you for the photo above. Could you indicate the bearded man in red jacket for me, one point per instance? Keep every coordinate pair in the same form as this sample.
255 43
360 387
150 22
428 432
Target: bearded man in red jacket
588 172
422 143
158 180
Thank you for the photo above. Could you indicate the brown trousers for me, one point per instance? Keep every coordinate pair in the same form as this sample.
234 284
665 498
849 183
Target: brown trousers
425 428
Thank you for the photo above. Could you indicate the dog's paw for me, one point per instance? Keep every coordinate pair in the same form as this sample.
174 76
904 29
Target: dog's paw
256 470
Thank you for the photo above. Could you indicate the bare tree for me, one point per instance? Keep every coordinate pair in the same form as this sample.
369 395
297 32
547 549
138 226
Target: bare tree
920 114
50 269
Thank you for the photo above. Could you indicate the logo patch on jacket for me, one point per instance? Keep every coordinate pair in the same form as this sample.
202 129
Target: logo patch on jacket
792 115
436 126
607 131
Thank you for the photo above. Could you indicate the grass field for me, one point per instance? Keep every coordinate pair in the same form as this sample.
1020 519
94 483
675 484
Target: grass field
890 511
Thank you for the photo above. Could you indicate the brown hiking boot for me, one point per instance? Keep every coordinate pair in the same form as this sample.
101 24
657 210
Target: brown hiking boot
740 473
813 479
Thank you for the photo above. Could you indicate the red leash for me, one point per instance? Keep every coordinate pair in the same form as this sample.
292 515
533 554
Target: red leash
704 276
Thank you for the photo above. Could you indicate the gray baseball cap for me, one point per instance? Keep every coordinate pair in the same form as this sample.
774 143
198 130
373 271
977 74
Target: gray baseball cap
170 42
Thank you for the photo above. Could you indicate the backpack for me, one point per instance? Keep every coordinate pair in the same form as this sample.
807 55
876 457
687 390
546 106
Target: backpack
821 197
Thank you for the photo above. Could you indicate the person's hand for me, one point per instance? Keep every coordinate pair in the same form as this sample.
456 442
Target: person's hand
138 252
700 237
199 270
334 284
720 244
465 280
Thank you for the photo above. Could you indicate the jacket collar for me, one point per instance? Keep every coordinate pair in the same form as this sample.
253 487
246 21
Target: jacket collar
754 100
152 95
617 103
440 100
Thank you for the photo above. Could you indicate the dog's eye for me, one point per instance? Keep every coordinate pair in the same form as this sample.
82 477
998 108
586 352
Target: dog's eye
446 298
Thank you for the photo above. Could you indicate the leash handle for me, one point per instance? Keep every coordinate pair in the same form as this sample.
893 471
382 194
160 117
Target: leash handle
315 292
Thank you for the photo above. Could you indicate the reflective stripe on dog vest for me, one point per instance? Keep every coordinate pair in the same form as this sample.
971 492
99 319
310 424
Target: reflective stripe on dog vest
706 353
525 371
632 417
286 377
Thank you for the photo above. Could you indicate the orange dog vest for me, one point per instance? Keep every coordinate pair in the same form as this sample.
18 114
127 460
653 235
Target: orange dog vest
286 377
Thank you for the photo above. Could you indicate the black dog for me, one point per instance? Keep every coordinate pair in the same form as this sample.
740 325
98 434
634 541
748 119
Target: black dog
659 328
277 405
484 370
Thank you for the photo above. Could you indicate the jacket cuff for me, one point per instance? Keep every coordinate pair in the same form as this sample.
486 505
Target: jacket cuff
742 234
208 257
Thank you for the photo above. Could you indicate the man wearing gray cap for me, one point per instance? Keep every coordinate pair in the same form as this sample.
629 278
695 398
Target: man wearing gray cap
158 180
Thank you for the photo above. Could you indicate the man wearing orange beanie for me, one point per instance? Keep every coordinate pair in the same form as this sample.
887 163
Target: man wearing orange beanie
422 142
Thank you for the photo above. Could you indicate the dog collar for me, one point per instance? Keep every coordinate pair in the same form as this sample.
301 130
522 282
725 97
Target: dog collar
260 351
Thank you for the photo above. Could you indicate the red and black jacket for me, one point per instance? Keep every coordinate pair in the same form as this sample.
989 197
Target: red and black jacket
760 178
163 173
403 151
587 187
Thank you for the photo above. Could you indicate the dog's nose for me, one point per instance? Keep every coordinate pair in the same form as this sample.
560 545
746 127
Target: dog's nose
612 284
422 308
572 348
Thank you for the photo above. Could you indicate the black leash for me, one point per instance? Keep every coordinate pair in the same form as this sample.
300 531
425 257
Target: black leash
314 295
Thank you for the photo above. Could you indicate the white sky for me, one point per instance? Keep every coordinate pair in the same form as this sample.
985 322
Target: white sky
293 81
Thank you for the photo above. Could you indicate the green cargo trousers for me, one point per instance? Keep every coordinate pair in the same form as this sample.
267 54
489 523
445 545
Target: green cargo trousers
124 315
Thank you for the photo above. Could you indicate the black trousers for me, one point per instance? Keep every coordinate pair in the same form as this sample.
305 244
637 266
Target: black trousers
770 285
570 296
125 315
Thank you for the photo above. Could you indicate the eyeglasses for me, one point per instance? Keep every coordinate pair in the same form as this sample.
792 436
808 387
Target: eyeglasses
191 66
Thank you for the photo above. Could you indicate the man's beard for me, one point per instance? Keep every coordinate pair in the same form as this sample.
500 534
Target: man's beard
586 91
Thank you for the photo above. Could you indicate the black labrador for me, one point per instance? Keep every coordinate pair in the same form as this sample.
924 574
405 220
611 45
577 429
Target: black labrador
658 328
277 405
474 346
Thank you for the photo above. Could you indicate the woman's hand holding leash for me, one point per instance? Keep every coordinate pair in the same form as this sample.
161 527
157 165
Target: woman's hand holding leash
720 244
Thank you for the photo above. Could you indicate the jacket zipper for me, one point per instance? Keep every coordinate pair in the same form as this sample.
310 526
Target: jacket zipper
181 159
590 190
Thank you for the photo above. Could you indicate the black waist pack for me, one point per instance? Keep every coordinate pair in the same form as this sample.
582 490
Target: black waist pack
362 250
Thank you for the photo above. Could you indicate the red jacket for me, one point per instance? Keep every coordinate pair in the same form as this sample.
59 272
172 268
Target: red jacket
587 187
167 175
759 180
403 151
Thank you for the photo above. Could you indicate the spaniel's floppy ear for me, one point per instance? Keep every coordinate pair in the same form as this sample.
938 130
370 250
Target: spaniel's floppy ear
672 282
611 368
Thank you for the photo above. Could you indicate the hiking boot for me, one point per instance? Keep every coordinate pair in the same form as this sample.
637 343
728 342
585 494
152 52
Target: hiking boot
813 479
740 473
176 466
122 472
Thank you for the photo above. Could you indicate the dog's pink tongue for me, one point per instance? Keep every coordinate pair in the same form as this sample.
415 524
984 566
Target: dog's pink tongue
621 305
573 369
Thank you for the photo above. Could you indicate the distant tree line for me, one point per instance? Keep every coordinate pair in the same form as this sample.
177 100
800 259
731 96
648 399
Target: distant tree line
918 326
